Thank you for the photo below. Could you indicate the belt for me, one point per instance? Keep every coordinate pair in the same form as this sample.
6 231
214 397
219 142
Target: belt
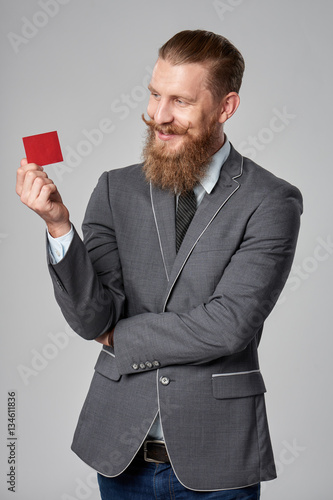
155 451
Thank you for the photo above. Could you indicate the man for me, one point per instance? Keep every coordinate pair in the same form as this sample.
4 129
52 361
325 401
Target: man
183 259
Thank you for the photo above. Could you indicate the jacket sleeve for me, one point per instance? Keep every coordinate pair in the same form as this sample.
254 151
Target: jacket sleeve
246 293
88 280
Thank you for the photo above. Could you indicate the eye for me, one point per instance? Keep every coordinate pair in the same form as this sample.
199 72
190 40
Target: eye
155 95
180 102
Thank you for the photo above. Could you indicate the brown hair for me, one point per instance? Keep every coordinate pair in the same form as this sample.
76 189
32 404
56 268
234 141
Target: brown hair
225 62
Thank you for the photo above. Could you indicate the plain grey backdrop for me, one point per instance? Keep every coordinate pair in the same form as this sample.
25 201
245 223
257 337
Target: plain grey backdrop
82 67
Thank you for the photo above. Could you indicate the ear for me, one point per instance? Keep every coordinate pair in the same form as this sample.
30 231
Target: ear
229 105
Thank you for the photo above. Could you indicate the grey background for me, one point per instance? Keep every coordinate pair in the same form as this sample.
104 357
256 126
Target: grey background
82 62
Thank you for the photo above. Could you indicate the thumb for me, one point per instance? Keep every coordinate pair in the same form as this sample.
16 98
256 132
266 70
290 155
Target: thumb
24 162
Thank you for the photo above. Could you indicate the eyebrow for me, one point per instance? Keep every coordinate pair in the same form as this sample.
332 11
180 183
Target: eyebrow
178 96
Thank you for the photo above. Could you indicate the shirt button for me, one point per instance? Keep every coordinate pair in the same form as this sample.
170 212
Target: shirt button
149 364
142 366
165 380
135 366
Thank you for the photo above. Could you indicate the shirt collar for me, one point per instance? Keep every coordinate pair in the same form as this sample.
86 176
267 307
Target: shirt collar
213 172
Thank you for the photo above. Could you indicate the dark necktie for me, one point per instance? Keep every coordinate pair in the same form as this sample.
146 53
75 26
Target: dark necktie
187 205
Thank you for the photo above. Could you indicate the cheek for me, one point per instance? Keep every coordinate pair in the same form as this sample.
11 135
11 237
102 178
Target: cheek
194 119
183 119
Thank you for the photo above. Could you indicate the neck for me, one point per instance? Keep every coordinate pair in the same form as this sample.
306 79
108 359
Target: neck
219 143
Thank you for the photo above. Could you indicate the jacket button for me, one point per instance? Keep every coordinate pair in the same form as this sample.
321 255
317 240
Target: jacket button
156 364
149 364
165 380
135 366
142 366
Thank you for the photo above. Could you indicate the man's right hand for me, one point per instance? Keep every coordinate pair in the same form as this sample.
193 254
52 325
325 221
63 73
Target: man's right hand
40 194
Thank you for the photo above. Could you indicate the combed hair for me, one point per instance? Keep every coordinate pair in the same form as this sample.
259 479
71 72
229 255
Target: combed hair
225 62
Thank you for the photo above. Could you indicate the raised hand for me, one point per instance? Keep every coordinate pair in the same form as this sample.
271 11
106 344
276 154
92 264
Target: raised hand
40 194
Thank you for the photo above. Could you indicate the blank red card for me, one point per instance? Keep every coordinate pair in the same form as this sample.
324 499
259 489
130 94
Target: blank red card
43 149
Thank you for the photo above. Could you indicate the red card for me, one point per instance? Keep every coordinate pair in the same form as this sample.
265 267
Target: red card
43 149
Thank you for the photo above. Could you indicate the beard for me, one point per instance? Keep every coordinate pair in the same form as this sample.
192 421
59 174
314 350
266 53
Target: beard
179 170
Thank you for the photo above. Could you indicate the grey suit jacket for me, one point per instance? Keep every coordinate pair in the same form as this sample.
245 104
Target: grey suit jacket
187 325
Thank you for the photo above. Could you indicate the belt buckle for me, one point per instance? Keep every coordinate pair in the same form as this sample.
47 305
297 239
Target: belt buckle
145 451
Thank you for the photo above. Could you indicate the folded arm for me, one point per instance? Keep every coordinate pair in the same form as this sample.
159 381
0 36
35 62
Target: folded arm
235 312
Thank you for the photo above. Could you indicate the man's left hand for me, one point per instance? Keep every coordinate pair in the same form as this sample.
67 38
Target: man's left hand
106 338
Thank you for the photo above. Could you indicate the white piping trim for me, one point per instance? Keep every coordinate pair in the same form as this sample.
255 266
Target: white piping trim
109 353
158 232
235 373
241 171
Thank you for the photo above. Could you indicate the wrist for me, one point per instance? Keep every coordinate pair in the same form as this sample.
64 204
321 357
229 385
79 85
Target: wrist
59 229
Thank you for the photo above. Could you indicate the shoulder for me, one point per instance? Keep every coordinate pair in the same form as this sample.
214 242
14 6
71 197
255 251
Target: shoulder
131 172
260 181
125 178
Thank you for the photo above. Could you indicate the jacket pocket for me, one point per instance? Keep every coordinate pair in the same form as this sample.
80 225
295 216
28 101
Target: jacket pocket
237 385
106 365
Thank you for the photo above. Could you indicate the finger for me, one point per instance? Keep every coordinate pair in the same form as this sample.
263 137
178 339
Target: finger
28 181
25 166
47 191
21 173
36 189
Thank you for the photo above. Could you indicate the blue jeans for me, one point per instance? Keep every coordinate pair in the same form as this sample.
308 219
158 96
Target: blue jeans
150 481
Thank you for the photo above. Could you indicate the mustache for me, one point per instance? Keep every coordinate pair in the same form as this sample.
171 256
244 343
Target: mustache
165 129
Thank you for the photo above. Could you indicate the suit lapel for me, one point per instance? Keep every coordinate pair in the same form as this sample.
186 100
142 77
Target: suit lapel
164 210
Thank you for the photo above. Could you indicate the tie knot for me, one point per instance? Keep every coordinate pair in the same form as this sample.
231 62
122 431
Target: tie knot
187 196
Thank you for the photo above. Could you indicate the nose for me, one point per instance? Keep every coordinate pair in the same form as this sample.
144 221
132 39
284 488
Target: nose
163 112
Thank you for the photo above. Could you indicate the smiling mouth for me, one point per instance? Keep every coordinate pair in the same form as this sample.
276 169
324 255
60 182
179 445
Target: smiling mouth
166 137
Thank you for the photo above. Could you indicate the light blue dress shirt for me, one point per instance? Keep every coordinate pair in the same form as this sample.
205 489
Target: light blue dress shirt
59 246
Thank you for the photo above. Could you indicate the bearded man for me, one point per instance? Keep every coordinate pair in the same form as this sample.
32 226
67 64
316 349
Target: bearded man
184 257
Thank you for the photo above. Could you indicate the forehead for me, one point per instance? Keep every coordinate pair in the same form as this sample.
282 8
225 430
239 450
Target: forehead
179 79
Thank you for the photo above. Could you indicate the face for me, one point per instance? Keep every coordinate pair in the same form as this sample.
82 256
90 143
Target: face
182 106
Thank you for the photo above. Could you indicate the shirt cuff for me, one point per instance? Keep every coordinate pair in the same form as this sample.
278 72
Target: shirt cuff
59 246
